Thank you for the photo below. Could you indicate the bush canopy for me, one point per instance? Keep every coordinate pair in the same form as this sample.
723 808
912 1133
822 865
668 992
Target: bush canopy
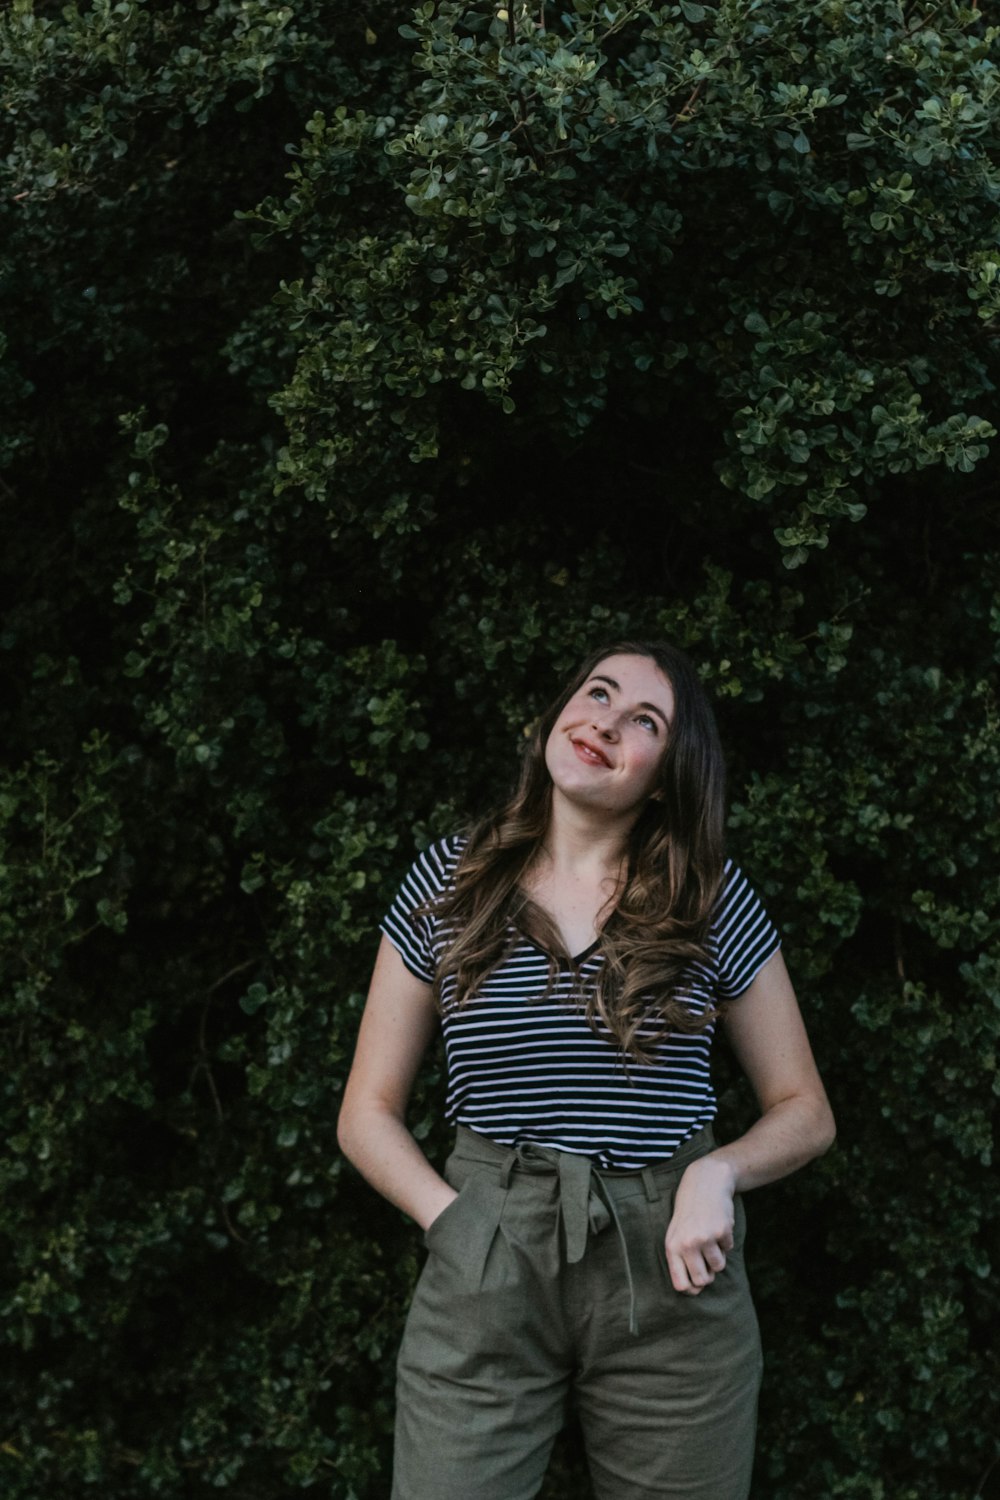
363 368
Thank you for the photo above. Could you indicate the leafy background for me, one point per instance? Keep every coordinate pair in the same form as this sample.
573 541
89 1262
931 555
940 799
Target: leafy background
362 369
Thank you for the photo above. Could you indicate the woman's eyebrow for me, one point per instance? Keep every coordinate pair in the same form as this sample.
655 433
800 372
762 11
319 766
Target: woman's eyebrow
599 677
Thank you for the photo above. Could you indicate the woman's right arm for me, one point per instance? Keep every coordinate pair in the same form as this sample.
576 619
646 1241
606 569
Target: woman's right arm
399 1020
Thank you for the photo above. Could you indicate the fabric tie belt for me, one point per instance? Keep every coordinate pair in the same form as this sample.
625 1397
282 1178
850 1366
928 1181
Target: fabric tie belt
586 1193
585 1204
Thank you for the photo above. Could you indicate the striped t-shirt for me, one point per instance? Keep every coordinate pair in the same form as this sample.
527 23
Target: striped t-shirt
525 1065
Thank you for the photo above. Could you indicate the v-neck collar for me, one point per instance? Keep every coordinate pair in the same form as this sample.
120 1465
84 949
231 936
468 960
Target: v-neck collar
575 959
581 958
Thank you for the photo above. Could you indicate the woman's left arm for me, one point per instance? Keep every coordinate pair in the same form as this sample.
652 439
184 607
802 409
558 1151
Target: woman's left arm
769 1039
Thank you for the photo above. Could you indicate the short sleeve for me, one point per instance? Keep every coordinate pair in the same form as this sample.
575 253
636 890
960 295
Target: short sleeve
410 931
744 935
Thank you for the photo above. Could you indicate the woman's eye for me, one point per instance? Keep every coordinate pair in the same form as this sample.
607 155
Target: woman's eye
599 693
647 722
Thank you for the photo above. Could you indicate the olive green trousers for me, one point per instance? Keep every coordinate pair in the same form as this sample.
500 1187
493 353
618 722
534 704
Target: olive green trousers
546 1279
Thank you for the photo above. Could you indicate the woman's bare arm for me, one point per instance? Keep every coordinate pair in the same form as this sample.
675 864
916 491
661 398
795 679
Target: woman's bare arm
398 1022
769 1039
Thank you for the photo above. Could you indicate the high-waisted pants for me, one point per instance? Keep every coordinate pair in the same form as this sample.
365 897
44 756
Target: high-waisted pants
546 1276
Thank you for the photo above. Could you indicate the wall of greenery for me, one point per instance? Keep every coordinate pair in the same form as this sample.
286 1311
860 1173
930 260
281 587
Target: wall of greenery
363 368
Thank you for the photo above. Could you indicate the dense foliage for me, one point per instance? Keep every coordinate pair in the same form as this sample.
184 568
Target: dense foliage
362 369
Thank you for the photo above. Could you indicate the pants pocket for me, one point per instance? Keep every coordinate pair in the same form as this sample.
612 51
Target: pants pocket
463 1233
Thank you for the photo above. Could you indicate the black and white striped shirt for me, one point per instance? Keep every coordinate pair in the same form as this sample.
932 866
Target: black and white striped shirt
525 1065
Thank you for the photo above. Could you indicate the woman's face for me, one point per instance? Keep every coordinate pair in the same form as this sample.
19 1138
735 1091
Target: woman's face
606 747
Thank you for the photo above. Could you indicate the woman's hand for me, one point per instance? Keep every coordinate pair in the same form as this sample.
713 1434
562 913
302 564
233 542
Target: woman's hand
701 1228
766 1032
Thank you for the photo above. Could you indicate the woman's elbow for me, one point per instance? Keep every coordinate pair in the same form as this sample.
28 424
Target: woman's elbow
344 1130
825 1129
348 1126
364 1122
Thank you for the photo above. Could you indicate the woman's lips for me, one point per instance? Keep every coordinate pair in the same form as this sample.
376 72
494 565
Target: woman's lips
589 754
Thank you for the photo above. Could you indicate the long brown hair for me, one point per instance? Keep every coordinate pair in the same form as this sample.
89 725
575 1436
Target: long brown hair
674 862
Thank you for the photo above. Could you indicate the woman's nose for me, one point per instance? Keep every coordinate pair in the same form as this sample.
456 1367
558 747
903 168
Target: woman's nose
605 725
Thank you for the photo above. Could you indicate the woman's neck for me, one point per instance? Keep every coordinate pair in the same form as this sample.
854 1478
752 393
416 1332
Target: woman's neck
575 877
578 841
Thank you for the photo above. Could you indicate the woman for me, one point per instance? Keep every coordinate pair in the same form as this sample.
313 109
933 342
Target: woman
586 1237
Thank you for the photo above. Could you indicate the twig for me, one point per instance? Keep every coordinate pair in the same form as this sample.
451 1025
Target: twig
202 1064
921 22
233 1231
682 113
848 604
78 937
929 565
522 108
897 943
989 1471
230 974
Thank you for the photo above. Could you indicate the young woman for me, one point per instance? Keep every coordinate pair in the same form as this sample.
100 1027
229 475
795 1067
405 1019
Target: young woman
586 1237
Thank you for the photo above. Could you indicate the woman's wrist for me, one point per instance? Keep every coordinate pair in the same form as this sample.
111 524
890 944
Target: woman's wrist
435 1205
715 1167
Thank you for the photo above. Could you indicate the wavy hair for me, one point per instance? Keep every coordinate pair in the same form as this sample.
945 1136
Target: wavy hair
659 924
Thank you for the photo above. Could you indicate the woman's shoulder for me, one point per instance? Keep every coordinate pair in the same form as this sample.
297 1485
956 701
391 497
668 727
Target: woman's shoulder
737 903
733 882
430 875
435 865
741 930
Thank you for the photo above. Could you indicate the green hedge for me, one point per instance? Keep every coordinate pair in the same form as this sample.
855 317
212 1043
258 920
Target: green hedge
362 369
